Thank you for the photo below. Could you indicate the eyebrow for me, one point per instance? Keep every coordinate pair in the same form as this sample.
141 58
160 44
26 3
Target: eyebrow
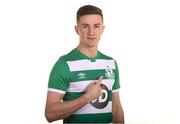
98 24
88 24
84 24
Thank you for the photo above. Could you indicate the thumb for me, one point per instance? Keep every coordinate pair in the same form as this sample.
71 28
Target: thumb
100 79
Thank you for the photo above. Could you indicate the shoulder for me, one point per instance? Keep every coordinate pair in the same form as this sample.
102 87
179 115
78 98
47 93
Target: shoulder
61 62
72 55
104 56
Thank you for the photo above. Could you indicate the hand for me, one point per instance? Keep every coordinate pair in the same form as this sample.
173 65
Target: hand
94 89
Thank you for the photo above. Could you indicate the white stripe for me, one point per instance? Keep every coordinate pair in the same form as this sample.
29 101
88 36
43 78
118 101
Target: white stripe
56 90
80 65
114 91
89 109
81 86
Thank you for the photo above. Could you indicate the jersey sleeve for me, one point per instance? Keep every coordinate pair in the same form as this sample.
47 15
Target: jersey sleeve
116 85
59 77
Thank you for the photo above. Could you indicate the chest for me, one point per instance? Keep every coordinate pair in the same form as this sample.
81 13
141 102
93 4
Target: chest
83 72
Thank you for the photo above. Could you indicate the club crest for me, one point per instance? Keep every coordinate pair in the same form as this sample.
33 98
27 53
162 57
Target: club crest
109 72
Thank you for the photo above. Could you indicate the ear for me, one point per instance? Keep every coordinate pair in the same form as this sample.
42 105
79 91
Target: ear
103 28
76 29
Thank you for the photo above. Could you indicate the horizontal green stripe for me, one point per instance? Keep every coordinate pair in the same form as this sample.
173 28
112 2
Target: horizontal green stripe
89 118
74 95
89 75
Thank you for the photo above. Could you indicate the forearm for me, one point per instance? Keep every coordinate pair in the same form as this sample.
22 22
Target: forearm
56 109
61 110
118 116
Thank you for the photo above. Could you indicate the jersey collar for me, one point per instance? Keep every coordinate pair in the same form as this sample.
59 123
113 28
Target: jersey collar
83 56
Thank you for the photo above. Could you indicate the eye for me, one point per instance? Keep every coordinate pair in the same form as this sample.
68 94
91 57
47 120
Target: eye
85 26
97 26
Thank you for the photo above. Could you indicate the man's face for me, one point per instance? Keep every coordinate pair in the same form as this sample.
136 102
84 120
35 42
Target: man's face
89 28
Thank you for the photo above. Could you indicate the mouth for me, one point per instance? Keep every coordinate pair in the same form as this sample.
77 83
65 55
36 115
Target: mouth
91 38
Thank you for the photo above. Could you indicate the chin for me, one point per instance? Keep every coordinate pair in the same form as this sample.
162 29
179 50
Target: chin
91 45
92 42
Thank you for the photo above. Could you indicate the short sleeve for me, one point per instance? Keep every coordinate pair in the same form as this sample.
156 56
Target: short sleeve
59 77
116 85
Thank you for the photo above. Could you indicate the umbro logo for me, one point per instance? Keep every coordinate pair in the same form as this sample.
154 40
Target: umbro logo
81 75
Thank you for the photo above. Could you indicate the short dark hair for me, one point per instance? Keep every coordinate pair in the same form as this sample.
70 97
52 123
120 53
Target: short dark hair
88 10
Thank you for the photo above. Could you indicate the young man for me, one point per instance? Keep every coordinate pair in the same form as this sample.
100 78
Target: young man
83 85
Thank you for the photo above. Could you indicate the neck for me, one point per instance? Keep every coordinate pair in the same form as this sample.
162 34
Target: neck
90 52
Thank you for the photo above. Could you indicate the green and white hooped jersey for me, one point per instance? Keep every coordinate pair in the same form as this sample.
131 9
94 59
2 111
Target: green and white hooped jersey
71 75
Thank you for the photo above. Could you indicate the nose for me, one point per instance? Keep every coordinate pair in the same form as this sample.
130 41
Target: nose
91 31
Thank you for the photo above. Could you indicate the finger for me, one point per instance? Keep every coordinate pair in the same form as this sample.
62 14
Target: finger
92 83
100 79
